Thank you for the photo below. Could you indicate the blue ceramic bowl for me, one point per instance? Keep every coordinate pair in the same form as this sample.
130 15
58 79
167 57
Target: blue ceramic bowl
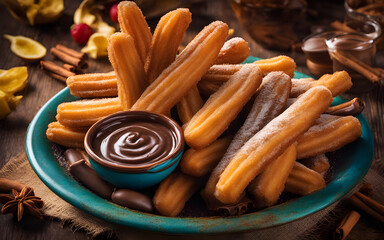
134 176
356 159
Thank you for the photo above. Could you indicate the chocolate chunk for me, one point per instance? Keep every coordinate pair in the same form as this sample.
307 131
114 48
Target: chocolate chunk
132 199
72 156
88 176
235 209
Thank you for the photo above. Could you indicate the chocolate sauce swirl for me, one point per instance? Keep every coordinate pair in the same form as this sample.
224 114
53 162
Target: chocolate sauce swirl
134 143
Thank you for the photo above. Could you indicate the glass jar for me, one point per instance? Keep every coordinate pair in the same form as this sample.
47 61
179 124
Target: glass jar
353 45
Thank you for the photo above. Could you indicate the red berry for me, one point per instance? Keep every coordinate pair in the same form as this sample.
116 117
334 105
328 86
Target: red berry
113 13
81 33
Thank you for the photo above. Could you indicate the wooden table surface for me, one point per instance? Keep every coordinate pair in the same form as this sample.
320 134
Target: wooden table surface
41 88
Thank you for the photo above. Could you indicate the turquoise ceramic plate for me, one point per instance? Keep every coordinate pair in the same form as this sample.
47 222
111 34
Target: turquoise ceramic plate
356 161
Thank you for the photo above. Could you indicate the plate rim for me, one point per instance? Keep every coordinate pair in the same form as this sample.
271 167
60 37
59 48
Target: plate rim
123 216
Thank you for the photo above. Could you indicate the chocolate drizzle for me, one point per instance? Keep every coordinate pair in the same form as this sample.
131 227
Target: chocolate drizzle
226 210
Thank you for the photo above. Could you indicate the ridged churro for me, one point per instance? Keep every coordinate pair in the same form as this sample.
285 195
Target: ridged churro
84 113
133 22
166 39
234 51
201 162
270 101
64 136
174 191
188 68
337 83
93 85
269 143
328 134
218 74
319 163
268 186
129 70
303 181
189 105
222 107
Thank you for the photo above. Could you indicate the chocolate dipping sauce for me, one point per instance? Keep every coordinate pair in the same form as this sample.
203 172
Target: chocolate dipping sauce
316 50
135 142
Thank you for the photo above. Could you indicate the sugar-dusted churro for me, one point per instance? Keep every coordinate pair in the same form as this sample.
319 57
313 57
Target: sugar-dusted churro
303 181
133 22
174 191
166 39
184 73
328 134
319 163
234 51
337 83
189 105
270 102
222 107
270 142
84 113
93 85
268 186
65 136
201 162
129 70
218 74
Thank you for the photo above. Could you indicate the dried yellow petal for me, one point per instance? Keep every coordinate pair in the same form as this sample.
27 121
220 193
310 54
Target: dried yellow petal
8 102
97 46
13 80
26 48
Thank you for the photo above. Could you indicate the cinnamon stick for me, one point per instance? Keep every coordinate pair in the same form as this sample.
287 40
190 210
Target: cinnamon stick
371 203
356 65
77 62
72 52
363 207
57 76
6 185
69 67
352 107
346 225
366 189
337 25
52 67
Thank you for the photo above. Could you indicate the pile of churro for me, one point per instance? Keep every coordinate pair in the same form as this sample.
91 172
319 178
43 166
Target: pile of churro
281 144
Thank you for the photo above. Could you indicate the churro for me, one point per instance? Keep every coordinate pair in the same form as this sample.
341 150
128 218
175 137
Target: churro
218 74
337 83
319 163
65 136
174 191
189 105
234 51
222 107
269 103
84 113
166 39
328 134
201 162
279 63
184 73
270 142
303 181
133 22
93 85
268 186
129 69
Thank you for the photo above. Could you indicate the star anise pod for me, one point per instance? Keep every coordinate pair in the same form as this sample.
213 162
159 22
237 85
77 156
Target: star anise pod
18 202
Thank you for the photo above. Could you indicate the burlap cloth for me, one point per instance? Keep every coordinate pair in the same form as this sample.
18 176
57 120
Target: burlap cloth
316 226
